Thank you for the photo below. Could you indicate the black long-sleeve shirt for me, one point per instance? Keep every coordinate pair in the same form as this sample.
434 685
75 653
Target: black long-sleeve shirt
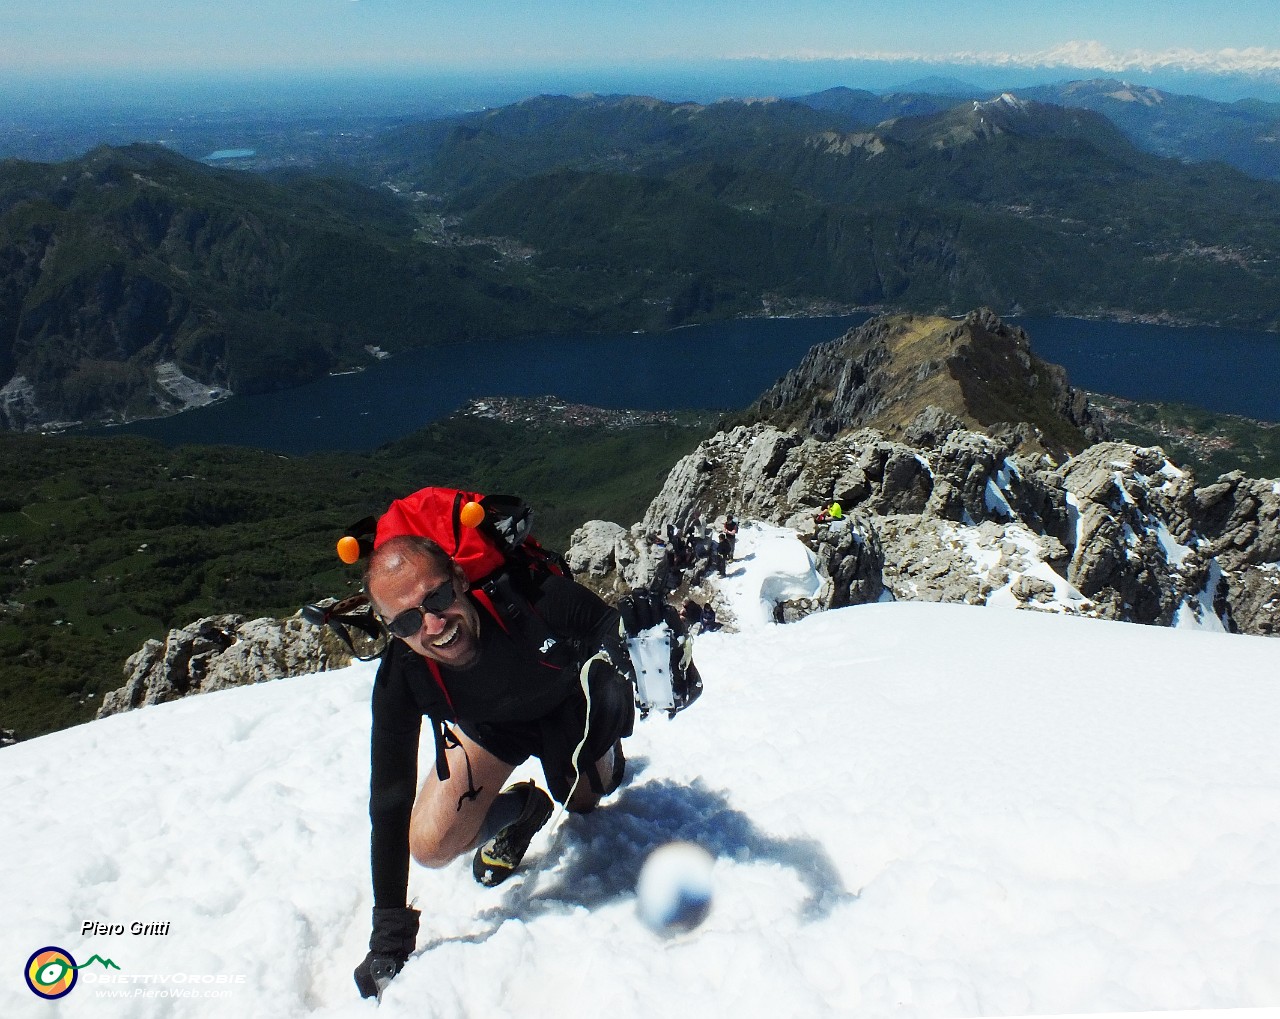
508 683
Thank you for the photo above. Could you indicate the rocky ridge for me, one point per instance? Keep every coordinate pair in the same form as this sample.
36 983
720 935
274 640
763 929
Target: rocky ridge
949 514
979 369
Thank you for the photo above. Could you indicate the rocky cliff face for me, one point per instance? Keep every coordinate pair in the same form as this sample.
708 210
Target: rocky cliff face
1117 532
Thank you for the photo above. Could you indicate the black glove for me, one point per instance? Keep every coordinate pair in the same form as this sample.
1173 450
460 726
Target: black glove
643 609
395 932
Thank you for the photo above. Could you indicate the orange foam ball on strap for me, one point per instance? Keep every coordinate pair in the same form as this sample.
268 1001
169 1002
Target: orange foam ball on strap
471 515
348 549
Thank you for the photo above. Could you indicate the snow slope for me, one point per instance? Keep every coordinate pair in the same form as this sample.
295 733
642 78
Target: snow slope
916 810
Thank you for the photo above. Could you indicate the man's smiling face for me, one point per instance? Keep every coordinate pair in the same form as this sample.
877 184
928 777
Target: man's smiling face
450 636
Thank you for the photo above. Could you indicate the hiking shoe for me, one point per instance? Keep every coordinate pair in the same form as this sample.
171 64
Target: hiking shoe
497 859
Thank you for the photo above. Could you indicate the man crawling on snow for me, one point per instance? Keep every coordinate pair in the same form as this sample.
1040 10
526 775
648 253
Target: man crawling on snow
513 682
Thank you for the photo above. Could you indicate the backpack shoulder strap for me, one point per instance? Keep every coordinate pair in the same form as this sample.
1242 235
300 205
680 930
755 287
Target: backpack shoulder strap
522 622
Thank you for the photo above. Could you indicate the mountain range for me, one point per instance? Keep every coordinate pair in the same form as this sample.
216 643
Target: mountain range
750 207
1244 134
133 278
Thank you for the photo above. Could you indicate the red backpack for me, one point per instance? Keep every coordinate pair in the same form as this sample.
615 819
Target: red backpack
484 534
487 535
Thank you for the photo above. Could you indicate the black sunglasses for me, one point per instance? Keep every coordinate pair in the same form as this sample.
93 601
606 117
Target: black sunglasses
409 622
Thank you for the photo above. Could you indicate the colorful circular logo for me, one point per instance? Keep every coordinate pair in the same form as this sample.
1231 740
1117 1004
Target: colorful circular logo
51 972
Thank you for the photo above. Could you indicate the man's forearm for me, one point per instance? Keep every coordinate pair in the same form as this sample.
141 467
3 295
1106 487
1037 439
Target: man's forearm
393 783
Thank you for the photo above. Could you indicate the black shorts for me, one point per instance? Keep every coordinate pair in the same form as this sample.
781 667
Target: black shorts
554 737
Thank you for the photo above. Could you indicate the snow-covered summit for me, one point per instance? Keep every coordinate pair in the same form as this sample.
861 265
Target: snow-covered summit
1006 100
915 809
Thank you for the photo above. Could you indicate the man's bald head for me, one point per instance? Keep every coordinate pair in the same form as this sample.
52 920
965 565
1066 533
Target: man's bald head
405 552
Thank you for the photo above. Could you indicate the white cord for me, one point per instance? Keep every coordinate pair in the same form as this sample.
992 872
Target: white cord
584 675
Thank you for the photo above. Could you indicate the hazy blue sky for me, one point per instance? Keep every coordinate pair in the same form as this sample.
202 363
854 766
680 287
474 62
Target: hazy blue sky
54 36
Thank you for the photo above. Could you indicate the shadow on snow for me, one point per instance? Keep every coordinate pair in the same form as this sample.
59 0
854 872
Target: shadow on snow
597 857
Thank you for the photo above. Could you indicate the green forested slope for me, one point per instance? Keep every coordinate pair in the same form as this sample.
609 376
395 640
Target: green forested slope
129 257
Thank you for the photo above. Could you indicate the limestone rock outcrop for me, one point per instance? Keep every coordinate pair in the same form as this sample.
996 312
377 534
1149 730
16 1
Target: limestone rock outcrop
1117 531
219 652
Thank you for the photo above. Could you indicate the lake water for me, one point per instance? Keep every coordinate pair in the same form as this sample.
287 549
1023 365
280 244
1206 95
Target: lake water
1233 371
721 366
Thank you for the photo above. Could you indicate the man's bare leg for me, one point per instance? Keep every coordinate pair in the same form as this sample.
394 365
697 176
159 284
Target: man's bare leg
439 830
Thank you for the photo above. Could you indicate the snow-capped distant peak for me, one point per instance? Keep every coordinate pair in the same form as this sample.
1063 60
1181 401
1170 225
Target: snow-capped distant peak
1006 100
